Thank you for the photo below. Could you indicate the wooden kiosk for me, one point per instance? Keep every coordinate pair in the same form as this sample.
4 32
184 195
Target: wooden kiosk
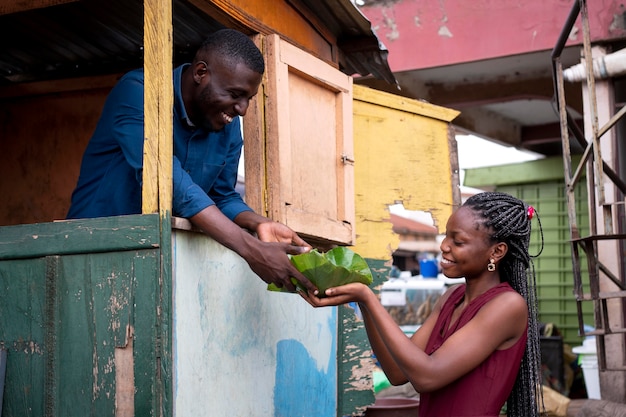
140 315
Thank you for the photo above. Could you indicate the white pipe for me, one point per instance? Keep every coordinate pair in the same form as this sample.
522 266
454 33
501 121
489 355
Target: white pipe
606 66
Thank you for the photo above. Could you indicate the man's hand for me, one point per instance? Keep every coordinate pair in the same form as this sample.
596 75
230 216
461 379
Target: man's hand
267 255
269 261
278 232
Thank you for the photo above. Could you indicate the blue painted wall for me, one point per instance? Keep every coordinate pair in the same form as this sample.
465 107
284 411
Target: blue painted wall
240 350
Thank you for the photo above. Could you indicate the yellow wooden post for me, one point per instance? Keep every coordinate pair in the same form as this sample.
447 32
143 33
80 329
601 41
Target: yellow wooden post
157 175
158 101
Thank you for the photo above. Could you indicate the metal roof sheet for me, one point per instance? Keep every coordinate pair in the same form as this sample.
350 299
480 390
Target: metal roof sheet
92 37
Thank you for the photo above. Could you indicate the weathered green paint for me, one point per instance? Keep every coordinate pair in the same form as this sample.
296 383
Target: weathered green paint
163 345
22 323
355 363
64 314
80 236
149 327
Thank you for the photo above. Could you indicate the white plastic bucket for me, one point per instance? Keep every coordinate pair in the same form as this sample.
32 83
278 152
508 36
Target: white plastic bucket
589 364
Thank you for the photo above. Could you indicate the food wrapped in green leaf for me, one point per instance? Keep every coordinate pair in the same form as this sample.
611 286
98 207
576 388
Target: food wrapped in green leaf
338 266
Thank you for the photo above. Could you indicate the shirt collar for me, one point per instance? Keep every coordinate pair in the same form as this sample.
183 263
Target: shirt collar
178 96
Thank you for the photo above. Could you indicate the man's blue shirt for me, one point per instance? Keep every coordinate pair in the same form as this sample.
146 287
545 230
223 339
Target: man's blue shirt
204 169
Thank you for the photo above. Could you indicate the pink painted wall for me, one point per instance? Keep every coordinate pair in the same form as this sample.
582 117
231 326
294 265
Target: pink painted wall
432 33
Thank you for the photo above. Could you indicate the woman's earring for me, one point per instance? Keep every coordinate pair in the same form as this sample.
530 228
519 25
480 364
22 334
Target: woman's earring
491 266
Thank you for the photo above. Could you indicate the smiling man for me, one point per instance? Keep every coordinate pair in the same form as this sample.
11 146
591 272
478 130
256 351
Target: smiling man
210 96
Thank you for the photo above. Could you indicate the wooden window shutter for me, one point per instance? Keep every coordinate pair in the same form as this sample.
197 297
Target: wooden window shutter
309 144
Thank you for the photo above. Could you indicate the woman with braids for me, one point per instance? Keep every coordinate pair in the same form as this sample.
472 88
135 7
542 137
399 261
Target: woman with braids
480 345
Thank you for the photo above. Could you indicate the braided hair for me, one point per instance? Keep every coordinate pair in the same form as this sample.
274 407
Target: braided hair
508 219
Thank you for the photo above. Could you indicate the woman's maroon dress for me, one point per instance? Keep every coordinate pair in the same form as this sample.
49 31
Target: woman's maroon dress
484 390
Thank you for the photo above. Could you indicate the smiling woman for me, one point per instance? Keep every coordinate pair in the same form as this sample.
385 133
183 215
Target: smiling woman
487 323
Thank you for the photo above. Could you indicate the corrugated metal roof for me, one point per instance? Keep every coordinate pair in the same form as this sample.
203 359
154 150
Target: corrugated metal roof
362 52
92 37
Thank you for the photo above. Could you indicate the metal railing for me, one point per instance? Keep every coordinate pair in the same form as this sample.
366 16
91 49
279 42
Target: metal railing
596 171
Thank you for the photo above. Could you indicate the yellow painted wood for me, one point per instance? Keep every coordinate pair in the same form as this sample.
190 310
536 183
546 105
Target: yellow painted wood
157 186
404 152
158 101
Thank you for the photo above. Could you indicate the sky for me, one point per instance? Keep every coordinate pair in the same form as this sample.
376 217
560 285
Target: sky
475 152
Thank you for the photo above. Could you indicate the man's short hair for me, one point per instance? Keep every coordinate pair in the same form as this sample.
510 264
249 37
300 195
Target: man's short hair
231 46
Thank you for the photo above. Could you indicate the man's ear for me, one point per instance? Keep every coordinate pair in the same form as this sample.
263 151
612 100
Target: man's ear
498 251
200 70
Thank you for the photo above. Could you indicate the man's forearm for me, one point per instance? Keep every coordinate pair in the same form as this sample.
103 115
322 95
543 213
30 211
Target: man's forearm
219 227
250 220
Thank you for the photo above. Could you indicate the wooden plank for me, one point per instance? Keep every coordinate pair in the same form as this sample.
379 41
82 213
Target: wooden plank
79 236
345 160
275 126
406 104
600 408
158 111
254 141
355 362
125 378
157 187
290 19
23 321
152 341
81 84
309 66
3 369
13 6
90 310
66 319
51 365
402 153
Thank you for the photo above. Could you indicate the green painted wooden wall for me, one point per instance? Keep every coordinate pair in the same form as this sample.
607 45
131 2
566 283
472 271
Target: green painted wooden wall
355 362
79 305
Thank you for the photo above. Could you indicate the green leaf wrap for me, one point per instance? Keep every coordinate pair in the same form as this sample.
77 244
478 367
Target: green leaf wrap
338 266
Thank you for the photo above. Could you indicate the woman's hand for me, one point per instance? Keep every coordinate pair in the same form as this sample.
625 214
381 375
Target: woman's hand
343 294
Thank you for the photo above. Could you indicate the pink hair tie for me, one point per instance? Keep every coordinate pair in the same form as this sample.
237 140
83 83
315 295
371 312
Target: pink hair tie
531 212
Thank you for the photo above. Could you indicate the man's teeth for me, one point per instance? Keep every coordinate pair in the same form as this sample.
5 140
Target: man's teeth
227 118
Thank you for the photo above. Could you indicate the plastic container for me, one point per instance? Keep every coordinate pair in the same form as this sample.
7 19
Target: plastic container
393 407
429 268
589 363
